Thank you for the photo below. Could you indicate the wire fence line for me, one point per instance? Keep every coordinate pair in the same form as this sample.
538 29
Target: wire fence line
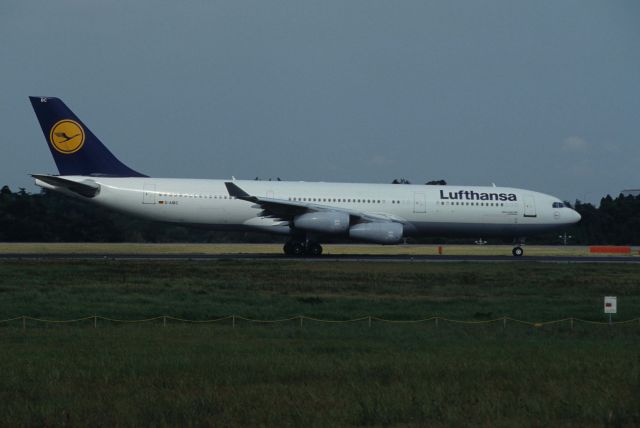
436 320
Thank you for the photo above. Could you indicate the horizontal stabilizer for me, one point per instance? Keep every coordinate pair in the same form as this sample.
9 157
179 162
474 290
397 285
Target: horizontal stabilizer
86 188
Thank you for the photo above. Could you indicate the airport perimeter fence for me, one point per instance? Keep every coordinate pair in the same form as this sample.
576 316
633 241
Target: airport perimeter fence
234 320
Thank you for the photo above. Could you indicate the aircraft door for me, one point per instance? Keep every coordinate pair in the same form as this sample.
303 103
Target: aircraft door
149 194
529 206
419 203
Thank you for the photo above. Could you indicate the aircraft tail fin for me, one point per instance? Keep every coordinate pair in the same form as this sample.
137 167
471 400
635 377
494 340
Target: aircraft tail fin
75 149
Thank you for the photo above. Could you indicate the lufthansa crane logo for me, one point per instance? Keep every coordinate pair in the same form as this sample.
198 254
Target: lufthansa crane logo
67 136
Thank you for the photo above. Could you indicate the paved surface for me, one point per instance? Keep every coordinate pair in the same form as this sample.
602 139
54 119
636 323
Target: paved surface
330 258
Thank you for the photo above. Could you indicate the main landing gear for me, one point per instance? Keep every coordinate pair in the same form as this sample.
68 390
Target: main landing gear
299 248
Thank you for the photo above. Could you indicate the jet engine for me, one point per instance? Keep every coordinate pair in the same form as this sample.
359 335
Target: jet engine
323 221
377 232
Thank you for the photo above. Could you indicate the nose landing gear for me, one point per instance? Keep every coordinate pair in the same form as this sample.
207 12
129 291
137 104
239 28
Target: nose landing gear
517 247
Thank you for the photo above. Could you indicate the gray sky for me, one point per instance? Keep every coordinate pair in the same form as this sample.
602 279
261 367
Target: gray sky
543 95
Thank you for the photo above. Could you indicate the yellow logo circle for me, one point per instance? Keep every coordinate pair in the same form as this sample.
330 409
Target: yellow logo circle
67 136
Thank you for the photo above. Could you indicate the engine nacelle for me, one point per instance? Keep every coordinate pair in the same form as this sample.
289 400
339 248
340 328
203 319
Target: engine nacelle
323 221
377 232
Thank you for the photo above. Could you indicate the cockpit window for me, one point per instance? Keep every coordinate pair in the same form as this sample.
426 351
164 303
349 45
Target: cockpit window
559 205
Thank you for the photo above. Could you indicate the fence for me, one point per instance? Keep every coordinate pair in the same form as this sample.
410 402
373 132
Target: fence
233 319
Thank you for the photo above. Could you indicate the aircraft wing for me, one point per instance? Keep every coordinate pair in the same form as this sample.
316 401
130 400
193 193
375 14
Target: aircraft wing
86 188
286 210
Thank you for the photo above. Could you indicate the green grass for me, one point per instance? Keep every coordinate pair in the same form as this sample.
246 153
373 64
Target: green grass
344 290
318 374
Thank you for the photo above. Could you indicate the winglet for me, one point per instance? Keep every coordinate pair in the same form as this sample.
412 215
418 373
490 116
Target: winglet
237 192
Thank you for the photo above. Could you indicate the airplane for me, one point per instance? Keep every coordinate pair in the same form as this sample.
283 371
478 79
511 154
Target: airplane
305 212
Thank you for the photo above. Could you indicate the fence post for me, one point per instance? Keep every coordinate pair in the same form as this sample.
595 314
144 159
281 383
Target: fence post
233 321
504 322
95 321
369 321
301 319
571 323
164 321
24 322
436 322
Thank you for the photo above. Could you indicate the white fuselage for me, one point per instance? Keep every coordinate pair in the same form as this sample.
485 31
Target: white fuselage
422 209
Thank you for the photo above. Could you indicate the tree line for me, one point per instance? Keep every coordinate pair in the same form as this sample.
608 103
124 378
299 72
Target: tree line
50 217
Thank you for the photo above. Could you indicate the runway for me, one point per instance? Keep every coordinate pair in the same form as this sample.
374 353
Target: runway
366 258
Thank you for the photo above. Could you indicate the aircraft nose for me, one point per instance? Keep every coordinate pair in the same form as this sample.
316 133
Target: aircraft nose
575 216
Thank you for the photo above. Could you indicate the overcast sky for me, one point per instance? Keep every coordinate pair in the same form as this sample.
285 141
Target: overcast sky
543 95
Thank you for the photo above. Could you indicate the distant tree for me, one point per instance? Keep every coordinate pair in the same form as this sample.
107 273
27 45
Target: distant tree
436 183
400 181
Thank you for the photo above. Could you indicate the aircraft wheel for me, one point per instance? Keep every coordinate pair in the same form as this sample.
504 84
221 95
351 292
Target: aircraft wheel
297 249
314 249
517 252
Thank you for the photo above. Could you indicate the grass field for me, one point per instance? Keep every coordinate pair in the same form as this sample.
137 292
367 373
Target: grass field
329 249
318 374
